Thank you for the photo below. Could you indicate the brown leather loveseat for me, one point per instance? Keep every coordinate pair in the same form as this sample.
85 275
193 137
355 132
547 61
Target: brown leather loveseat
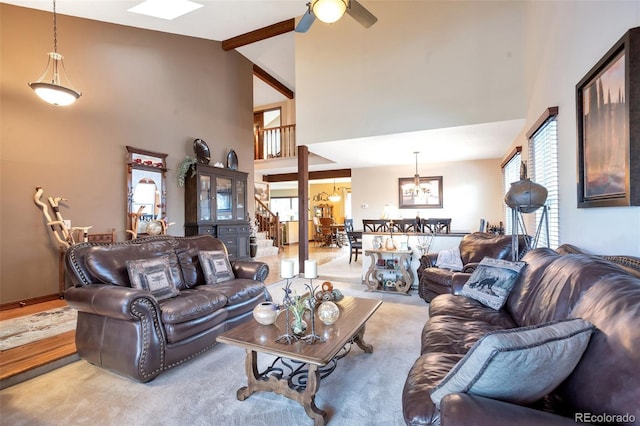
128 331
604 386
433 281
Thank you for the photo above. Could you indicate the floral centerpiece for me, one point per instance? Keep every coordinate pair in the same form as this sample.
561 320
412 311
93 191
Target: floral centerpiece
297 305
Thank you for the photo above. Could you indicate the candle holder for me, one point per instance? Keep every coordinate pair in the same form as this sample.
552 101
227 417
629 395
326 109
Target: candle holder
312 337
287 338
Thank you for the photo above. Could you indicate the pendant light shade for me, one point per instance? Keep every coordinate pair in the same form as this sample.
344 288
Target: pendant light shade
54 86
334 197
329 11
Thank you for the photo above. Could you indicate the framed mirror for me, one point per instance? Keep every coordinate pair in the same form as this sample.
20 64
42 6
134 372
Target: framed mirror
147 192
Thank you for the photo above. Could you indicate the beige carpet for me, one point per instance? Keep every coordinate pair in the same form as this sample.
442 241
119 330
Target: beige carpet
365 389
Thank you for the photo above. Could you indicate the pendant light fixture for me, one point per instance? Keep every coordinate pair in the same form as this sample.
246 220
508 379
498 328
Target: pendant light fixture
416 178
49 86
334 197
329 11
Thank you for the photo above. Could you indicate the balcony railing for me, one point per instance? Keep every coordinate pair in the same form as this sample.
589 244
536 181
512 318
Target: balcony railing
275 142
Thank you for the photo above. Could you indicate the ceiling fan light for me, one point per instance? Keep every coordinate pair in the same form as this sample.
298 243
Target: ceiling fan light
329 11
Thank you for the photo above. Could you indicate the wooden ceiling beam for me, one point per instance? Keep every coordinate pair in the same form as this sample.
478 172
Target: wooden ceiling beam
259 34
321 174
272 81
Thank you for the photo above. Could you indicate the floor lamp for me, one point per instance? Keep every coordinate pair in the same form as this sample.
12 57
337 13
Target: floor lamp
525 196
518 224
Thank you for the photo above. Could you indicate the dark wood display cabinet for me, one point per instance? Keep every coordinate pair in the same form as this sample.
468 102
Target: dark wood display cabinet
215 203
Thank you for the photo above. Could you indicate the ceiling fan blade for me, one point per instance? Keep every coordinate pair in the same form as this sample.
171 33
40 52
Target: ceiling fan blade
361 14
306 21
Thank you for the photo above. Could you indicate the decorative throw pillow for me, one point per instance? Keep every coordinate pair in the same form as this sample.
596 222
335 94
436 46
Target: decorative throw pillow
519 365
216 266
492 281
450 259
153 275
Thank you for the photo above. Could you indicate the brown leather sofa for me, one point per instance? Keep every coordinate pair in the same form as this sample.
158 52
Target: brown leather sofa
554 285
130 332
433 281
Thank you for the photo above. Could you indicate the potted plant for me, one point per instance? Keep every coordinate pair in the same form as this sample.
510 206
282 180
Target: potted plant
186 164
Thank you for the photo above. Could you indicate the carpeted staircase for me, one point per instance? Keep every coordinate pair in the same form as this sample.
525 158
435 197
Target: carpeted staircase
265 246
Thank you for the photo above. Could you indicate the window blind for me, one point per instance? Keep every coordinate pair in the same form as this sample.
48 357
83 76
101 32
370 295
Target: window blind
543 169
510 174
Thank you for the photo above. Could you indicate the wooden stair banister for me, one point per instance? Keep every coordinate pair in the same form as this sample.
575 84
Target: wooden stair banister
268 222
275 142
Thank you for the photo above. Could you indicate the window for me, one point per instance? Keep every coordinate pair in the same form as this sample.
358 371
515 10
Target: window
510 174
286 208
543 169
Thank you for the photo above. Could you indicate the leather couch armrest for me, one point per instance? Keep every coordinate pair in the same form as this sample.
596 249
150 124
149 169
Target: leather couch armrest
250 269
427 261
470 410
108 300
470 267
458 280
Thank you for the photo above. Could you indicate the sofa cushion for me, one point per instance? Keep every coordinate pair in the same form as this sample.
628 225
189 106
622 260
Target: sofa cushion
450 259
520 365
460 306
453 334
478 245
153 275
607 379
107 263
187 250
237 291
191 304
562 279
425 374
215 266
439 276
492 282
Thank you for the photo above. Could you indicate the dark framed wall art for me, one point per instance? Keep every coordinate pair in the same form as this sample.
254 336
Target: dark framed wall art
608 119
428 196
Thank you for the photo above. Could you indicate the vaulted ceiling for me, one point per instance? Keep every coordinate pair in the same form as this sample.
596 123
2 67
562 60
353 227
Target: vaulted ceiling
443 78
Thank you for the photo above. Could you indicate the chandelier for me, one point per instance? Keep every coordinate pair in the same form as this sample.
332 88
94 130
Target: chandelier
48 87
334 197
416 178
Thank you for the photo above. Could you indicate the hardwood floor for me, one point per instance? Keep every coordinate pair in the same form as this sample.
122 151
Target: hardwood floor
30 357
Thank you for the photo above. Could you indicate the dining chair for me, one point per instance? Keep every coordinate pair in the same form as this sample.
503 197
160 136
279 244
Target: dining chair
355 243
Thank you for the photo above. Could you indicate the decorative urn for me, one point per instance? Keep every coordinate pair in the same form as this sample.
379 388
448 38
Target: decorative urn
265 313
525 196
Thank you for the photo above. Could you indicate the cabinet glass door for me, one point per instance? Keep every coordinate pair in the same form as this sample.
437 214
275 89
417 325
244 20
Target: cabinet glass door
224 200
241 199
204 193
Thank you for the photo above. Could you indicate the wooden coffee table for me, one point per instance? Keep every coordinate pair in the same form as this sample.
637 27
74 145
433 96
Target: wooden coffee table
298 367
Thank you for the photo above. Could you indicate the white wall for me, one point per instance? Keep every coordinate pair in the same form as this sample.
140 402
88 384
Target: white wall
471 191
423 65
564 40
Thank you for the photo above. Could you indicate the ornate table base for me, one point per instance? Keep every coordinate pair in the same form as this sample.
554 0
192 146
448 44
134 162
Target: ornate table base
296 380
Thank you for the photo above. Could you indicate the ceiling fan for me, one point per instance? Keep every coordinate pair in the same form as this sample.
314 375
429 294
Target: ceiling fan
330 11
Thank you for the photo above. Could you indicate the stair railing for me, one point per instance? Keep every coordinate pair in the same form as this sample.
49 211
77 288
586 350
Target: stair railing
269 223
275 142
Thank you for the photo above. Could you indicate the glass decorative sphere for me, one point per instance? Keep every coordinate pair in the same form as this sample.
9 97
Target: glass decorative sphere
328 312
154 228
